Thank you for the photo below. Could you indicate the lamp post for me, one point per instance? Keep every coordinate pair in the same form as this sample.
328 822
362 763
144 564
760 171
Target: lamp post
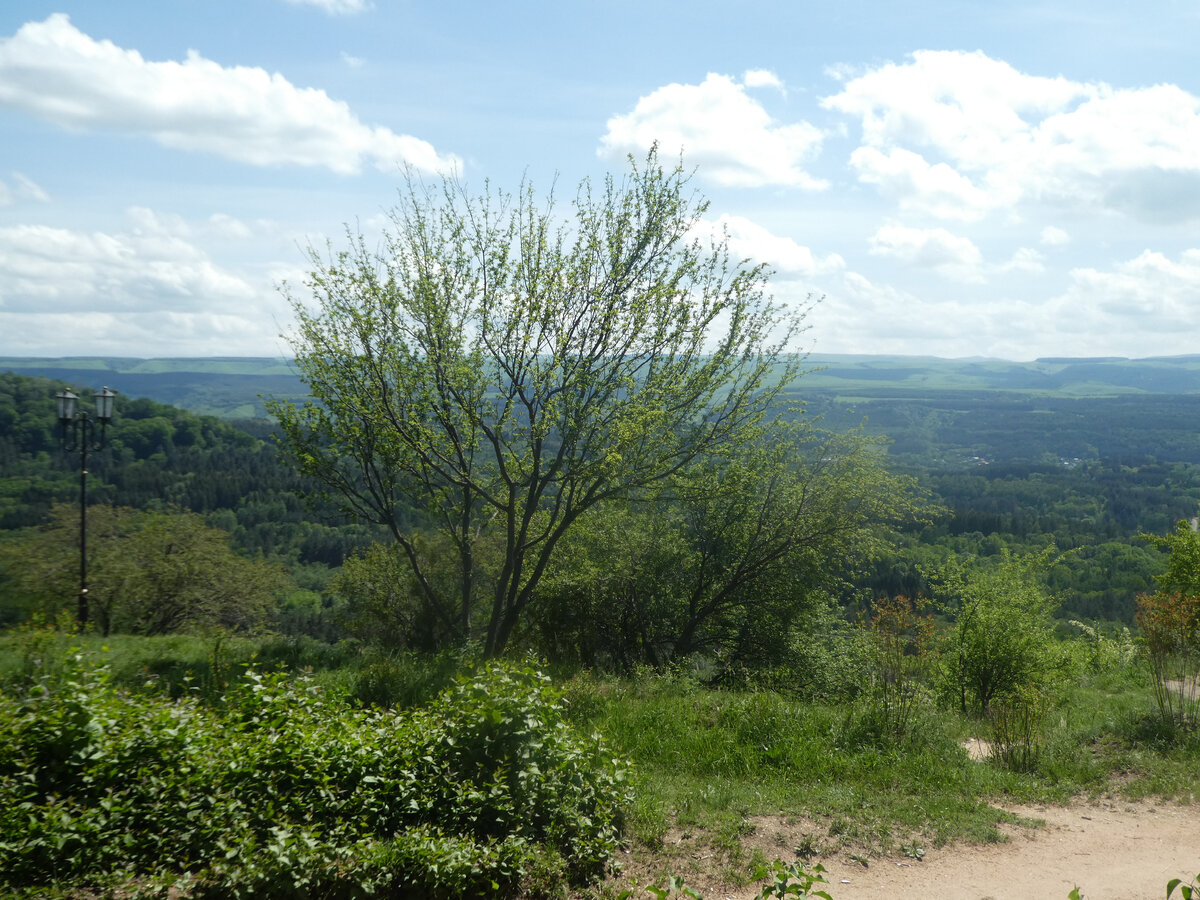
79 434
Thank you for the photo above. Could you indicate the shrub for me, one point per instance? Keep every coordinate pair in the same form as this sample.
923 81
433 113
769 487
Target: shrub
899 635
1170 624
279 791
1002 639
1016 720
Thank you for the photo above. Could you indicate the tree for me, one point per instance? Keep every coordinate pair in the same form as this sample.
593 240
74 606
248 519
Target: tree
734 552
150 572
1001 642
1170 623
495 369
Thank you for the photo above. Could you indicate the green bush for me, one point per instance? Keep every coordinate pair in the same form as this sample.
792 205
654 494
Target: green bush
280 791
1002 639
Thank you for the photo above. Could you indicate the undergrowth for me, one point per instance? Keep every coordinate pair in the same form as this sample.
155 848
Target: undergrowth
279 790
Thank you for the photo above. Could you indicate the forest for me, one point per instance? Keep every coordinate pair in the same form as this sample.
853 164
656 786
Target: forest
1087 476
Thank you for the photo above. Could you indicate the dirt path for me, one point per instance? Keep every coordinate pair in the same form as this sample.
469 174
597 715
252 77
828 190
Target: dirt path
1113 850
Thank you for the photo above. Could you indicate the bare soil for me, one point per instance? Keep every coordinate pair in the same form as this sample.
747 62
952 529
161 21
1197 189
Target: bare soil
1111 849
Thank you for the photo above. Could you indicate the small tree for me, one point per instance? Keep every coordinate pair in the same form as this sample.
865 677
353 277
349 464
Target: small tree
1003 629
494 369
899 637
150 572
1170 623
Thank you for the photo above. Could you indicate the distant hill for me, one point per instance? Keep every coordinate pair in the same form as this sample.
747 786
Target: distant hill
234 387
1053 377
228 387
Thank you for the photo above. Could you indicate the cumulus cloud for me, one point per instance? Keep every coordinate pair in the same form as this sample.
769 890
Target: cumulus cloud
1055 237
52 70
1025 259
915 184
1148 293
859 315
336 7
948 254
959 135
150 285
749 240
726 133
755 78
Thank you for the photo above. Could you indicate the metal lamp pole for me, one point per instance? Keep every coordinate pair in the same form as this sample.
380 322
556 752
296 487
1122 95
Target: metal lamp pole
79 434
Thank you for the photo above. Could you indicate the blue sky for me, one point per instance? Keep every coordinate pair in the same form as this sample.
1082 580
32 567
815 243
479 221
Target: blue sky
951 178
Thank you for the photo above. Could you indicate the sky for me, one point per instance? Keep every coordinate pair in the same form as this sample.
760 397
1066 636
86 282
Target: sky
956 179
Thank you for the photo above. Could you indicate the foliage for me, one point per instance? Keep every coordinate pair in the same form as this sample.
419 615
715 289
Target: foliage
1105 652
1186 890
160 458
1002 638
900 635
507 373
1170 623
150 572
731 557
280 791
1016 719
1170 626
674 886
794 880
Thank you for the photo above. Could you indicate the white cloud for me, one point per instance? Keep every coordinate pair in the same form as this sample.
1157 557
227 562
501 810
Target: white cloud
27 189
223 226
150 286
917 185
960 134
755 78
354 62
749 240
861 316
336 7
727 134
23 189
52 70
147 266
154 333
1150 293
1055 237
936 248
1025 259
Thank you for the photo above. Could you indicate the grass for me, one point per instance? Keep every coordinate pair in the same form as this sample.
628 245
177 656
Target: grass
711 758
727 780
717 766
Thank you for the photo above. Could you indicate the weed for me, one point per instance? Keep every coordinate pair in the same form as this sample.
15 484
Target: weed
794 880
899 635
1187 891
1016 720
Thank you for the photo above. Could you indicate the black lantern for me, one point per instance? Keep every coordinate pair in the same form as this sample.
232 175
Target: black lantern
79 435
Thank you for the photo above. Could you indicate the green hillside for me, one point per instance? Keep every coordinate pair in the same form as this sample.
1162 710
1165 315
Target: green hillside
234 387
230 388
1062 377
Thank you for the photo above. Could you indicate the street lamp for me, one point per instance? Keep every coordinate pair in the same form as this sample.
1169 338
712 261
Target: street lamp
79 435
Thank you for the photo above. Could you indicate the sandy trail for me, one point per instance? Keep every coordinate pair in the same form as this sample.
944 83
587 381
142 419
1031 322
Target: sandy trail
1112 850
